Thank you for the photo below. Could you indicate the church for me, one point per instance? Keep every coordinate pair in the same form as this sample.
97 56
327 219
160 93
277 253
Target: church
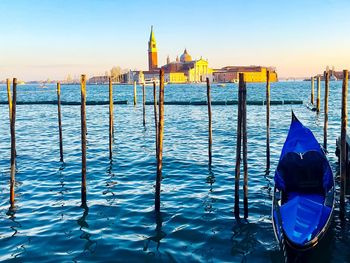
186 69
182 70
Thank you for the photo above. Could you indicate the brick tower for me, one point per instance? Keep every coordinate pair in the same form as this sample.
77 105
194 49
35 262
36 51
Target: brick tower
152 52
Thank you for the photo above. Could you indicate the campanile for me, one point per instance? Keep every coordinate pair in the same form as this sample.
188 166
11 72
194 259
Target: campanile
152 52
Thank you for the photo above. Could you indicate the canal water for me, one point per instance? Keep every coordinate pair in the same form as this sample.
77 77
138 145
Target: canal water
196 223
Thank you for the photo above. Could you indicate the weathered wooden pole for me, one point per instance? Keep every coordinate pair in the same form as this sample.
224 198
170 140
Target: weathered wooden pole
245 149
312 91
160 141
83 140
135 93
13 143
111 121
343 153
267 121
238 144
210 130
155 114
325 126
9 98
143 105
318 100
59 120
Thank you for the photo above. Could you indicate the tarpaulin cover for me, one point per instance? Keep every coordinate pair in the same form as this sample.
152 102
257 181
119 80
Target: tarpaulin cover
303 166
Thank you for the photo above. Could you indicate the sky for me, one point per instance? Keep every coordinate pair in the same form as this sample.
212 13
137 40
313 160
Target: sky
43 39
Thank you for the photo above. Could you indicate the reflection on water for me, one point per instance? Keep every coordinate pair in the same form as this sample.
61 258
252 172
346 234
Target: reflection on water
90 245
110 185
243 239
209 201
158 233
20 249
12 216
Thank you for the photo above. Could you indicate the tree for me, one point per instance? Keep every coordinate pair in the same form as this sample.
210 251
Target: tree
115 73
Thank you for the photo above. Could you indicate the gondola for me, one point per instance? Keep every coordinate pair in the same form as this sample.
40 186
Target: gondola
303 199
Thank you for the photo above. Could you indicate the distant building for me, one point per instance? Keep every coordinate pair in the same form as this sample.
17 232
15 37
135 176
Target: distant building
333 75
186 69
98 80
251 74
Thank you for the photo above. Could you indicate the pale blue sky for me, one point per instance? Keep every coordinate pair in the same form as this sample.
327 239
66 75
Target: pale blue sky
52 38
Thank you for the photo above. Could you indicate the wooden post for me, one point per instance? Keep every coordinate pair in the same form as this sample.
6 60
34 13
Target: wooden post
325 126
267 121
245 149
312 91
344 120
8 83
59 120
13 143
111 121
143 105
160 141
210 138
135 93
83 140
238 144
155 114
318 94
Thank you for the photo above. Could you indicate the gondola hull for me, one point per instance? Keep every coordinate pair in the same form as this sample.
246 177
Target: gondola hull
303 200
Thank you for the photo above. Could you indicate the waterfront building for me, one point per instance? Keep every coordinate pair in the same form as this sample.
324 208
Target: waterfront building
251 74
98 80
186 69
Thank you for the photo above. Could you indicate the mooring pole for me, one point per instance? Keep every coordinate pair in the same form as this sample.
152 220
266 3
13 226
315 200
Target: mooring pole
59 120
343 153
83 140
9 98
143 105
160 141
135 93
245 149
13 143
238 144
318 101
210 129
325 126
267 121
155 114
111 121
312 90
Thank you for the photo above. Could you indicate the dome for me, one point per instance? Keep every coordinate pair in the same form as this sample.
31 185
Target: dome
185 57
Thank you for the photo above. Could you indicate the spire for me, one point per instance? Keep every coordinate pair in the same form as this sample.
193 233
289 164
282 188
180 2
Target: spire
168 60
152 44
151 36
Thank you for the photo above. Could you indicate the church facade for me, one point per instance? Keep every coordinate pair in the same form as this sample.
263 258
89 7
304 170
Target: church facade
182 70
186 69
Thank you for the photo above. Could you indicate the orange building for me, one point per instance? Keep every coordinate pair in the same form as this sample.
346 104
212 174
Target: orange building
251 74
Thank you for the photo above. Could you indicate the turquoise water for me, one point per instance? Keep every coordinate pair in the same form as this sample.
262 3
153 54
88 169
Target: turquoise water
196 222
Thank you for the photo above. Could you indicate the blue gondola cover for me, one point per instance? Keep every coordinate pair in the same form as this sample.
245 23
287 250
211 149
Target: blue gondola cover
305 179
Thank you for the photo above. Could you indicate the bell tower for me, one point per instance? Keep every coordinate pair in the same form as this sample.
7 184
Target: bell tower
152 52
